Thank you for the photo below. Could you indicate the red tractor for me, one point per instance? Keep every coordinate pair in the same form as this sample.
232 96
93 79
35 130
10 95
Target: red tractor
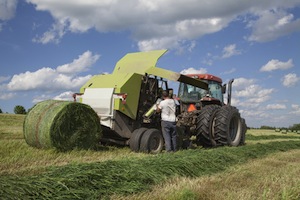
204 114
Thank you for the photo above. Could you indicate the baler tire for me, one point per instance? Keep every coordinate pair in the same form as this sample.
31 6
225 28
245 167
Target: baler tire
135 139
152 141
228 127
205 133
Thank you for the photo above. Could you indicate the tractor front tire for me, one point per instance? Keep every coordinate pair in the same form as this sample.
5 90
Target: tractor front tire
135 139
228 126
152 141
205 126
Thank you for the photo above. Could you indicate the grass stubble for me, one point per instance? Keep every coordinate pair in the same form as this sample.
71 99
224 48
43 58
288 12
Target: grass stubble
266 168
273 177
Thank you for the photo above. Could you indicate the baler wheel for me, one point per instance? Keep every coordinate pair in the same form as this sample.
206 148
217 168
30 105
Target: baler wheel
152 141
205 133
135 140
228 127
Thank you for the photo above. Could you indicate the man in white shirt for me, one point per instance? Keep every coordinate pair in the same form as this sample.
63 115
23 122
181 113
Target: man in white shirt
167 107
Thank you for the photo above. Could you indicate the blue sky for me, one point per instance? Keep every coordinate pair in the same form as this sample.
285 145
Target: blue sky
49 48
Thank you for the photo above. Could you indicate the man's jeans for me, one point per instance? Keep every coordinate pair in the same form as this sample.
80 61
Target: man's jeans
169 134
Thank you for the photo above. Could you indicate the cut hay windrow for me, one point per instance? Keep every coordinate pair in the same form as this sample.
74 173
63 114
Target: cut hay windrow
271 137
62 125
101 179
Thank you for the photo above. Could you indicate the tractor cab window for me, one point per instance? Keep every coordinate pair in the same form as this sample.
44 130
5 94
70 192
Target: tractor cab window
215 90
189 93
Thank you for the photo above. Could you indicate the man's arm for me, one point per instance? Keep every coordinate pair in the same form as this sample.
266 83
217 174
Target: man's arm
158 109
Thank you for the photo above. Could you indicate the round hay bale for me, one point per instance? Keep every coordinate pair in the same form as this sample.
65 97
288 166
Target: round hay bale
62 125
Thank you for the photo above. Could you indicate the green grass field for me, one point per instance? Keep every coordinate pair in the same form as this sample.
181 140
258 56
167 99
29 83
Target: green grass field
267 167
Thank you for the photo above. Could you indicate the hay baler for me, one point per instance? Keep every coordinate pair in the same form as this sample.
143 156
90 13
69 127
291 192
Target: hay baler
125 99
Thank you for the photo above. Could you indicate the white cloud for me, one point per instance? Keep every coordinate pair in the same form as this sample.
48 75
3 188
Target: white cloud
7 96
45 79
4 78
229 71
254 94
261 96
159 43
200 26
170 42
276 65
230 50
296 109
54 35
192 46
257 114
7 9
164 24
62 78
40 98
275 107
41 78
208 62
66 96
248 91
86 60
241 83
247 94
70 82
256 106
290 80
272 24
194 71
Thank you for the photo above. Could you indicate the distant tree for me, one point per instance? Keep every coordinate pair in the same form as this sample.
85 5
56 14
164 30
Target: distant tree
1 111
267 127
19 110
295 127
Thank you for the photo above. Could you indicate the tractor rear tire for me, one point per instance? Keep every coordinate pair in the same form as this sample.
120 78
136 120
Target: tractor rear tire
244 130
152 141
135 139
205 126
228 126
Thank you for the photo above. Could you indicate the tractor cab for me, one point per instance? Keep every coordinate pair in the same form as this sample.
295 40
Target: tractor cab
199 97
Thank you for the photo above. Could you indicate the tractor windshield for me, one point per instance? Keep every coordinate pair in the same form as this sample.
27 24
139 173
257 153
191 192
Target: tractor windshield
215 90
189 93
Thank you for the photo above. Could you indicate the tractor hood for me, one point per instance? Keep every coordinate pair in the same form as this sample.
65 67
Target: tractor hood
145 63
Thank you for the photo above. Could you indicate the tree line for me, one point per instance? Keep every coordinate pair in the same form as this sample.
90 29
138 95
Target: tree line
294 127
18 110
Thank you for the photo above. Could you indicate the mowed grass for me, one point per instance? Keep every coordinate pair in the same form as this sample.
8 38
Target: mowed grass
11 126
19 158
273 177
267 167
